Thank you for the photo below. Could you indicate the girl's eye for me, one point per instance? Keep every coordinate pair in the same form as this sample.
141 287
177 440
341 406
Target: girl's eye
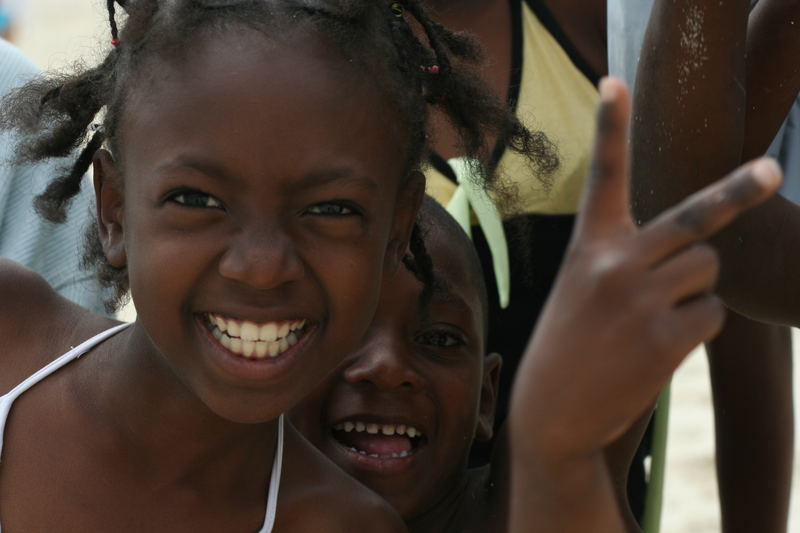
439 339
332 209
196 199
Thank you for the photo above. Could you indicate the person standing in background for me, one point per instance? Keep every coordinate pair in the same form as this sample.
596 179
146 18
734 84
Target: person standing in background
10 14
52 250
750 362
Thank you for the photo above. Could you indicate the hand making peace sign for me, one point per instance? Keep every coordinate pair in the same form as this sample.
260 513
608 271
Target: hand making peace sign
629 303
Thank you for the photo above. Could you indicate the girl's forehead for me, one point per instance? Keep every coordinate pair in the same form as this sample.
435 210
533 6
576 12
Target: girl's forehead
241 95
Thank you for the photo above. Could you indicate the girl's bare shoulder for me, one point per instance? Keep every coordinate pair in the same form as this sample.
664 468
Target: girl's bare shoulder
339 502
36 323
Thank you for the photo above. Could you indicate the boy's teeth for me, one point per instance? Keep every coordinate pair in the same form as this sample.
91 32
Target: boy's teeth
374 429
255 341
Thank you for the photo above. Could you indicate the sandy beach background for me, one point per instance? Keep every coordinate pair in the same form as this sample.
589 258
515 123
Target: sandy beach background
55 33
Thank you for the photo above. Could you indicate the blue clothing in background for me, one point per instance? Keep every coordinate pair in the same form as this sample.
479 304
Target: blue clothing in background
52 250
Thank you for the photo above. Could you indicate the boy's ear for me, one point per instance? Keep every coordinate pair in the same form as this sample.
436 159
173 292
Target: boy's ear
405 214
107 184
492 364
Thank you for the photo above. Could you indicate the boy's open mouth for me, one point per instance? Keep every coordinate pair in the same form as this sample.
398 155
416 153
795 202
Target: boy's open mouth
255 340
380 441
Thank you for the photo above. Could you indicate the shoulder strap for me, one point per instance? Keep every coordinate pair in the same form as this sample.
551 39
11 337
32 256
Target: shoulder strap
8 399
274 482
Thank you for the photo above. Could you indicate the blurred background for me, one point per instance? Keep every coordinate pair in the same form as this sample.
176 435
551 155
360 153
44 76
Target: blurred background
56 33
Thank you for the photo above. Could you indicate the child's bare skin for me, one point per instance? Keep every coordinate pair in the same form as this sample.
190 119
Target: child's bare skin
255 176
765 365
685 135
159 429
645 297
575 393
728 111
421 366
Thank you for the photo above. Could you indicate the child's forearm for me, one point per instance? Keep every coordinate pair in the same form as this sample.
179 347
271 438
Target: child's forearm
688 124
773 71
689 129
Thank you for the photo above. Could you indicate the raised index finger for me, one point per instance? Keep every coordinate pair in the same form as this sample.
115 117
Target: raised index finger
707 211
605 202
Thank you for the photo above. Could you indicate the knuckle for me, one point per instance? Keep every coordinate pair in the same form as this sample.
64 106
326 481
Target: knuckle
663 331
741 190
706 257
611 269
695 220
602 168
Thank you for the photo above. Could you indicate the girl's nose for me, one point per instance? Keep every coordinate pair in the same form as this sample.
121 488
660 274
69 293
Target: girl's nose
384 362
262 259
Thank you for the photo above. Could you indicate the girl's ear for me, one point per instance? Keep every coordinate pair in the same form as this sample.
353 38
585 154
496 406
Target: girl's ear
488 401
108 197
405 214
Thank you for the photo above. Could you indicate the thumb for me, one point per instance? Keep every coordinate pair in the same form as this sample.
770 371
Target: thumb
606 199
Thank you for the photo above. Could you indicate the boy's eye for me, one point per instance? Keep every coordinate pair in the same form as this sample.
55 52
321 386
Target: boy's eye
196 199
439 339
332 209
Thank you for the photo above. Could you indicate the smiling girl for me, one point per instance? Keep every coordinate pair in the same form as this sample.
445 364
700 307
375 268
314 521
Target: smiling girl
255 175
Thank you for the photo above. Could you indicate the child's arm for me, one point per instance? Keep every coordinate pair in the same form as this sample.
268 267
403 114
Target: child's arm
694 122
627 307
773 71
28 320
750 364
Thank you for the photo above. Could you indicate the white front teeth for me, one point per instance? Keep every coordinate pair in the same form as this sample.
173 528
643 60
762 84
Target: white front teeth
373 429
255 341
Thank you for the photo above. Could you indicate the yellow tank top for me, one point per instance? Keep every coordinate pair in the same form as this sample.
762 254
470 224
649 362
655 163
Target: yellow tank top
558 99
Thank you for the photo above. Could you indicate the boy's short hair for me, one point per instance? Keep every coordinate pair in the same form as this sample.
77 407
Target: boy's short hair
433 218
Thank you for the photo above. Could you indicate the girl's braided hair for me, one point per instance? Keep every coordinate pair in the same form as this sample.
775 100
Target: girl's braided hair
56 115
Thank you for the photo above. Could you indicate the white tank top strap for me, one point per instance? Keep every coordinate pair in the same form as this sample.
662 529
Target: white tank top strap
274 482
8 399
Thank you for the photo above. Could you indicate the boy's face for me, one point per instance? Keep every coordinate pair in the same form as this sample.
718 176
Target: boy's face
401 413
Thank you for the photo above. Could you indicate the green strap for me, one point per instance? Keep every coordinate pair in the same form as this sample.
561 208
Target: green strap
655 486
468 196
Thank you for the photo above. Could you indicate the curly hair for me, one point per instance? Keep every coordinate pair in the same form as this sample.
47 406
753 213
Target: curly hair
417 61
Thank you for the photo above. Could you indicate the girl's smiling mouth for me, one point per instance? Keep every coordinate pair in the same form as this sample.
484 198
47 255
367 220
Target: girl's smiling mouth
255 340
255 350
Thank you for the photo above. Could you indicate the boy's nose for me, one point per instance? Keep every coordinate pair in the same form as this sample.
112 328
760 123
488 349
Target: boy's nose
262 259
384 363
